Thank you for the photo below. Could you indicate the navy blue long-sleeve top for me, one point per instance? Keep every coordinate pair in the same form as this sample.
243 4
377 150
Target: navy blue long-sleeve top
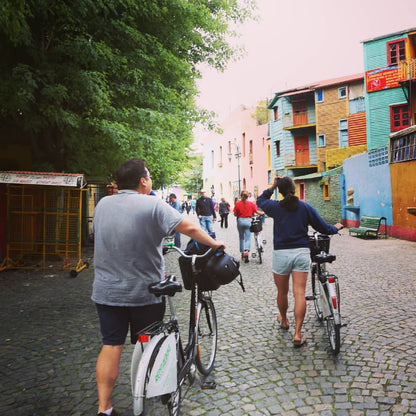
290 228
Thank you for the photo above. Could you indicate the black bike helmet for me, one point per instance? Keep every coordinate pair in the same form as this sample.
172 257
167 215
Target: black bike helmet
220 269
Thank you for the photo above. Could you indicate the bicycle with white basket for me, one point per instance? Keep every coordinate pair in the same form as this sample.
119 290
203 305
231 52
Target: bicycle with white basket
161 366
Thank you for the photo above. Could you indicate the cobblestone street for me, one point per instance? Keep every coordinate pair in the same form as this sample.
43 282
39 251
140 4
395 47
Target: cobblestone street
50 340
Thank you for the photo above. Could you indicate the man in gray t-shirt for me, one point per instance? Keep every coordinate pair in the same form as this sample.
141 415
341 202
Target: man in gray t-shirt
128 231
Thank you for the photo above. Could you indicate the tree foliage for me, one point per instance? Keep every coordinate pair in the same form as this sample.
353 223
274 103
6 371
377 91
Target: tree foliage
191 177
88 84
261 113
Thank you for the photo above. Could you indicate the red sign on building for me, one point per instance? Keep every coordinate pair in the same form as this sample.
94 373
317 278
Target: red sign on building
382 78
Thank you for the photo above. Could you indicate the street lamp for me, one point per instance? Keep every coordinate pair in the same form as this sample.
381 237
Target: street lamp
237 155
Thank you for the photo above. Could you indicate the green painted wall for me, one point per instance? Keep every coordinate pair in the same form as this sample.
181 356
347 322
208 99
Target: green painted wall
330 210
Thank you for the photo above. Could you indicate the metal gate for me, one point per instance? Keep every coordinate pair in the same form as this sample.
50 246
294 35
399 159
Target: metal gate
43 228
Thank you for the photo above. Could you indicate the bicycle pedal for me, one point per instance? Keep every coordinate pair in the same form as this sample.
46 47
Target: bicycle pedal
209 385
310 297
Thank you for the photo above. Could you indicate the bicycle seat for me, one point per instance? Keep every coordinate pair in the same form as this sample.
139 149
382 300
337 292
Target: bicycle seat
324 258
167 287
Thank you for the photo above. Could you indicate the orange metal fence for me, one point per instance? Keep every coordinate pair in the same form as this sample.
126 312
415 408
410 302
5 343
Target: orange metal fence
44 228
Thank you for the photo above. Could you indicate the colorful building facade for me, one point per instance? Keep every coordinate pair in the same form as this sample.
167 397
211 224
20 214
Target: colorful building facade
238 158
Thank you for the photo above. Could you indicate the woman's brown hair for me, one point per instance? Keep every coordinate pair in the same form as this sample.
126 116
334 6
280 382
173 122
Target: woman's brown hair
287 188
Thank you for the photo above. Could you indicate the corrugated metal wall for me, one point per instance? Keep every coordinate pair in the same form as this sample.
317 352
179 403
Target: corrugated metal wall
378 120
357 129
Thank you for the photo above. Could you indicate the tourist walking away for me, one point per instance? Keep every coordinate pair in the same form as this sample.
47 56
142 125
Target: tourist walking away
185 206
129 228
224 210
174 203
291 254
244 210
205 211
193 204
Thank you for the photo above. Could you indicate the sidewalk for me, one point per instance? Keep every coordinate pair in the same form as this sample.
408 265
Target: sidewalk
49 340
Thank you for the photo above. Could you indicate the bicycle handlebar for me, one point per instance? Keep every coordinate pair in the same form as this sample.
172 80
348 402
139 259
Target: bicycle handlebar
189 256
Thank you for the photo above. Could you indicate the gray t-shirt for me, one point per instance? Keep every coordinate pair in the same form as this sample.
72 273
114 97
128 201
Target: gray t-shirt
128 231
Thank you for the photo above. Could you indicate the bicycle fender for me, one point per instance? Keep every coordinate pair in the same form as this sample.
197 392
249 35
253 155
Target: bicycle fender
140 378
164 376
137 355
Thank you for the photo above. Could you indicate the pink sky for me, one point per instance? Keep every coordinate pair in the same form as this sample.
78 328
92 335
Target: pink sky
300 41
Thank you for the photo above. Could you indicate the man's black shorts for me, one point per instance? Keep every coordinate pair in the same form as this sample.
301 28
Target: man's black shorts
115 321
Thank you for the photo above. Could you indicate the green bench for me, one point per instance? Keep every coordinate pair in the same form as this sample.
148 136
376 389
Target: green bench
369 226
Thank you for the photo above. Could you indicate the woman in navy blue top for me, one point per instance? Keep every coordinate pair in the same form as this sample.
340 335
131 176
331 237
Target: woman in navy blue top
291 255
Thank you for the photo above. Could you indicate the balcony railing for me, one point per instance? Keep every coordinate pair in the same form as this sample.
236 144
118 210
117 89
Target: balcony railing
298 120
407 70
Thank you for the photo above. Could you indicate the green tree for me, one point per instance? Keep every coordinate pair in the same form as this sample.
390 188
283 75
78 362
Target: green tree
261 113
89 83
191 177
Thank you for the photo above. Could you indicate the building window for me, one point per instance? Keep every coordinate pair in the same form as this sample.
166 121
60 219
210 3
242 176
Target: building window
243 139
277 145
275 113
396 51
320 96
403 148
321 140
229 151
342 92
399 117
327 195
343 133
251 172
212 159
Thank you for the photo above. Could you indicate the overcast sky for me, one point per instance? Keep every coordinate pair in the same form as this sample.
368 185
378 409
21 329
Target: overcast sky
297 42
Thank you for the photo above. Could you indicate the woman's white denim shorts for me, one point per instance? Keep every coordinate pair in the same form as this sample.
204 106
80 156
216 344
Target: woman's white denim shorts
291 259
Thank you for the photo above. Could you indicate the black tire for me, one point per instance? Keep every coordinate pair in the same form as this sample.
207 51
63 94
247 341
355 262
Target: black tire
259 248
206 337
174 402
316 292
155 406
334 334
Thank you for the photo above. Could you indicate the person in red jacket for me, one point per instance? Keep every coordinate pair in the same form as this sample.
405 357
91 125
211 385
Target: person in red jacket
244 210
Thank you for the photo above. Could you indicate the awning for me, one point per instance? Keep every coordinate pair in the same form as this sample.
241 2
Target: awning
43 178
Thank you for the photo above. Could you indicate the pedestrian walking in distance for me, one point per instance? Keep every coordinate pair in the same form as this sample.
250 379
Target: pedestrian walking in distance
174 203
291 254
206 212
244 210
224 210
129 228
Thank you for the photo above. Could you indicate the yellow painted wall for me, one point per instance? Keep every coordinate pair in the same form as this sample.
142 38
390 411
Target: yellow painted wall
335 157
328 114
403 190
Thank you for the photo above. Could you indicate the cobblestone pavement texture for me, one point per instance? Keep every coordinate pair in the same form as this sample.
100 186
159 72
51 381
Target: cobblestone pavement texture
50 340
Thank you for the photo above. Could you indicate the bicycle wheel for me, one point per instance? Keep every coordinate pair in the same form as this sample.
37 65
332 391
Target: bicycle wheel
258 246
206 336
334 334
316 291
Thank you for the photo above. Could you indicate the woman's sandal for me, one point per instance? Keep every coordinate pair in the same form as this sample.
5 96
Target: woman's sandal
299 342
280 321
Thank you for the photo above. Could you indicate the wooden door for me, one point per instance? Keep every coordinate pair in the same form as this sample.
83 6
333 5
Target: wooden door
302 150
300 113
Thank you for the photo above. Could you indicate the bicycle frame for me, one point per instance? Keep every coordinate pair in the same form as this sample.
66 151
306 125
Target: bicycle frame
163 351
325 288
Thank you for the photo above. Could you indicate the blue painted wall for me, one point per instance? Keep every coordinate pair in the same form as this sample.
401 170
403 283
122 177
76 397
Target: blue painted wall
377 104
372 187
